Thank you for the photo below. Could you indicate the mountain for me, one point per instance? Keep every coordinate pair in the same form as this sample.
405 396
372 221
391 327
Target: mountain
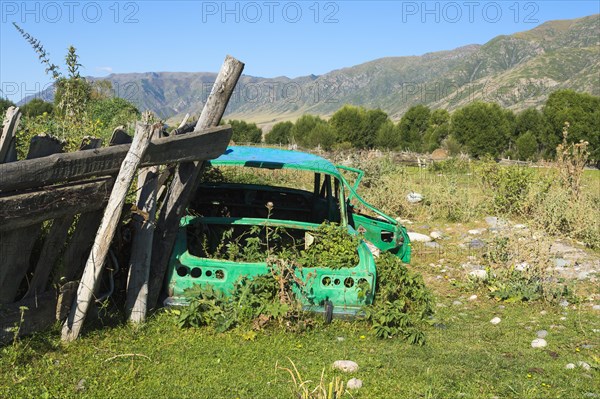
516 71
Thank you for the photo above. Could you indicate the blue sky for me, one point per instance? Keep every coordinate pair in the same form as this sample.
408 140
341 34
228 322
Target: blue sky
273 38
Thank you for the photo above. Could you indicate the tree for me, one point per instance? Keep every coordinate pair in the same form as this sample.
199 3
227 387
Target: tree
36 107
437 131
483 128
244 132
387 136
311 131
348 124
582 111
322 135
413 125
373 119
112 112
281 133
527 146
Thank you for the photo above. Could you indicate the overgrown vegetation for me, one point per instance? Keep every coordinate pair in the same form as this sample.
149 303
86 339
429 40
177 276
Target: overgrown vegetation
80 108
403 305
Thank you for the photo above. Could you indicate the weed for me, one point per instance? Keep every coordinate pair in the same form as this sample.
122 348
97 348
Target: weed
303 390
402 302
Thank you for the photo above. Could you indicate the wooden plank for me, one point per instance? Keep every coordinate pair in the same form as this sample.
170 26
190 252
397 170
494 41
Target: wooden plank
108 226
41 312
201 145
83 236
20 210
141 248
79 246
7 138
119 136
21 237
185 178
53 245
43 145
15 251
90 143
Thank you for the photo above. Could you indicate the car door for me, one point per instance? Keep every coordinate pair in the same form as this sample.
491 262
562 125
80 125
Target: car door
376 227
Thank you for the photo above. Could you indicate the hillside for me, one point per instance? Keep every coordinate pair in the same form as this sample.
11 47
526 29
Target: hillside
517 71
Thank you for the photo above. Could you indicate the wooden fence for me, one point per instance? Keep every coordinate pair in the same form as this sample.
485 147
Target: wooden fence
60 211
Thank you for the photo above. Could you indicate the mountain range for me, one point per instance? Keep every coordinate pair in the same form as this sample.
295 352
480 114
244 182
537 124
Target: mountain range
517 71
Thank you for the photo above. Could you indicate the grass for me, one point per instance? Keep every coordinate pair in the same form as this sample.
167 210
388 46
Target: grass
466 357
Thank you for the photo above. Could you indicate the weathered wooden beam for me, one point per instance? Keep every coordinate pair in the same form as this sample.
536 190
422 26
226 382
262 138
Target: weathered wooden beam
7 138
79 246
16 258
35 313
108 226
53 245
15 251
20 210
184 180
201 145
141 248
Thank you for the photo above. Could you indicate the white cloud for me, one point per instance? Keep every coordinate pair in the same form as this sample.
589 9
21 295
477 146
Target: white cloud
105 69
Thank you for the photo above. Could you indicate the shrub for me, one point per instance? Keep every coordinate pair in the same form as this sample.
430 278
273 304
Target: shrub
402 303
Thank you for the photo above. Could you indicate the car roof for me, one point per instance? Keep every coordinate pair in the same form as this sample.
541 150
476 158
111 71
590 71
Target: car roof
275 158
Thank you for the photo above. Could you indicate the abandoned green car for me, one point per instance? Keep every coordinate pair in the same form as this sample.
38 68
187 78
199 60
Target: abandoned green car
253 202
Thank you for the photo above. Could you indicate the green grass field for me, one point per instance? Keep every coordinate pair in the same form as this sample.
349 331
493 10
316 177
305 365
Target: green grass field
465 355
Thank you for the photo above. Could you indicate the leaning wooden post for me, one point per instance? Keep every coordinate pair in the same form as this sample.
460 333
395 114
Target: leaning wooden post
104 236
7 136
141 248
185 177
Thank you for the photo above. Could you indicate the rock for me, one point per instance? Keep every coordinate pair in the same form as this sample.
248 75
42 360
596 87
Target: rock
457 303
476 244
543 312
492 221
560 262
520 226
472 297
542 334
433 244
538 343
340 339
564 303
418 237
403 221
478 274
583 275
436 235
495 320
596 307
347 366
570 366
475 232
584 365
521 267
414 198
354 383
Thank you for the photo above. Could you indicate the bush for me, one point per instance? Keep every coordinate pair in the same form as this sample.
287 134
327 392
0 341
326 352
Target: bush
508 186
403 304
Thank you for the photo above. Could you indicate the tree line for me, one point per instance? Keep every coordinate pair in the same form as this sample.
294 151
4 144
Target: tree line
478 128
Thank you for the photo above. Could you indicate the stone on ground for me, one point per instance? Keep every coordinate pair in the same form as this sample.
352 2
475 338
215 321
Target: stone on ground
347 366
